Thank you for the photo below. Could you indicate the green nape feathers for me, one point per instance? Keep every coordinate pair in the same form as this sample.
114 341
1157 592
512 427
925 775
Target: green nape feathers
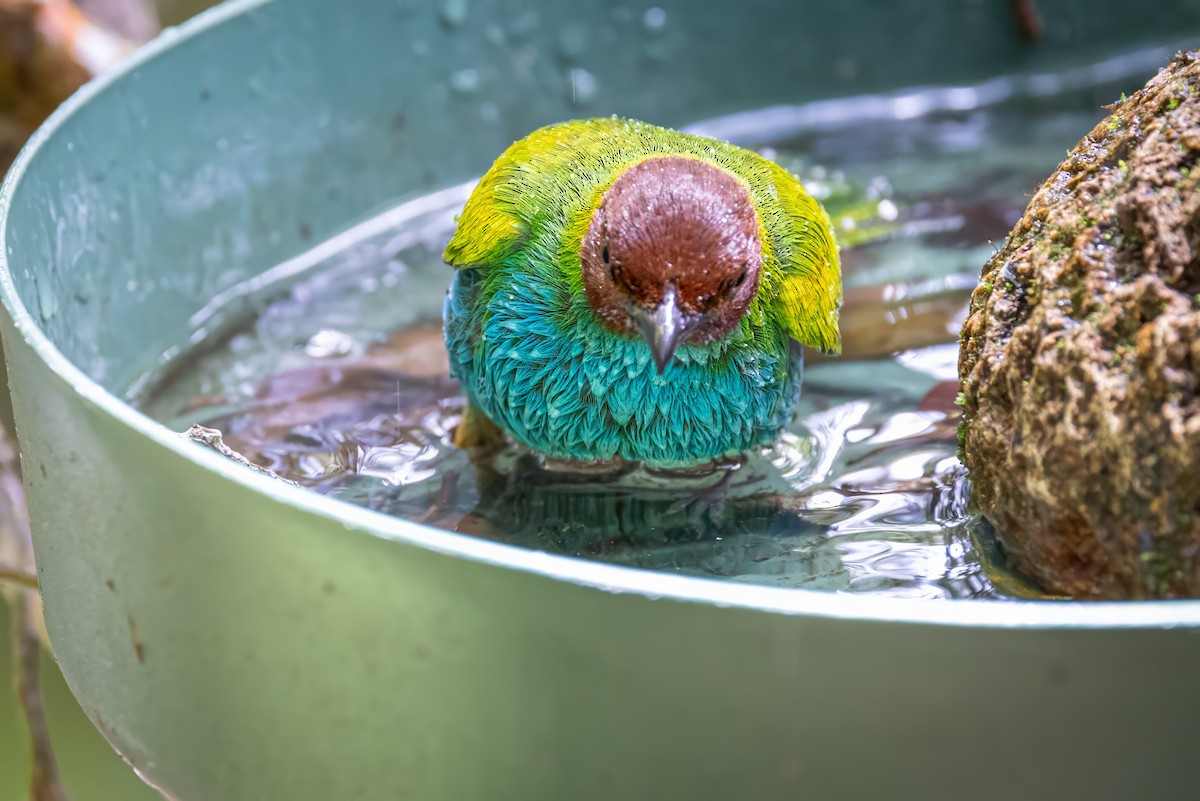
630 291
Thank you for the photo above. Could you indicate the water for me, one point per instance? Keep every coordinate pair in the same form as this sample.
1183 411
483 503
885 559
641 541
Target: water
337 378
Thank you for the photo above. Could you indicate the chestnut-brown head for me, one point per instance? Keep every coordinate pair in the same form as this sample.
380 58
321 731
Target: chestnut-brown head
673 253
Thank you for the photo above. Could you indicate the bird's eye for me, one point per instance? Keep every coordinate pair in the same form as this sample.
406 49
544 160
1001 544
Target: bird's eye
604 254
741 279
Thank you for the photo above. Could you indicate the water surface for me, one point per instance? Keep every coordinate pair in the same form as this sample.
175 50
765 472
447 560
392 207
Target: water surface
336 377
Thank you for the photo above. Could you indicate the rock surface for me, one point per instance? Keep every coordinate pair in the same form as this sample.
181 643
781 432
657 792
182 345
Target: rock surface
1081 355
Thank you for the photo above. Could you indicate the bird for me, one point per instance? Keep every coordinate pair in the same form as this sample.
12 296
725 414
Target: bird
627 292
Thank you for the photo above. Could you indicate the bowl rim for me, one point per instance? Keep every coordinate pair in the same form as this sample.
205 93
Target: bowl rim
609 578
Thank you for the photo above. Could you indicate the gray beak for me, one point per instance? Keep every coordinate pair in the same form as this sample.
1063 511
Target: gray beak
664 329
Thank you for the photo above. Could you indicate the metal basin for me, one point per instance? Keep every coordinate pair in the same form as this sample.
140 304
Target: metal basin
235 638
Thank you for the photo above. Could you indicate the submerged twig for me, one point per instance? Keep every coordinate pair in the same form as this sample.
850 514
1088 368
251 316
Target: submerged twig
1029 21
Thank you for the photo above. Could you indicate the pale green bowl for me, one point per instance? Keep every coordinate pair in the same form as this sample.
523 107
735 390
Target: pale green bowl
241 640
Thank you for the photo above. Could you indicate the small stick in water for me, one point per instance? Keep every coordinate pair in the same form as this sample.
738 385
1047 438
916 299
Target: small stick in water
44 782
214 439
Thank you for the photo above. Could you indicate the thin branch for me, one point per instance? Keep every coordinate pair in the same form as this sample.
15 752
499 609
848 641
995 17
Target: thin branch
11 574
45 783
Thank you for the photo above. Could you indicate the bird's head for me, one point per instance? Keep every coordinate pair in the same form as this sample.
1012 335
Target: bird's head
672 253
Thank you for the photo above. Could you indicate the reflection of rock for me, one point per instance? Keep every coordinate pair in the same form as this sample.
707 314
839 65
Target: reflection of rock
1081 357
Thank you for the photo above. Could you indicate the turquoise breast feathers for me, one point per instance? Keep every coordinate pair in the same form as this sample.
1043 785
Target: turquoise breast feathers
626 291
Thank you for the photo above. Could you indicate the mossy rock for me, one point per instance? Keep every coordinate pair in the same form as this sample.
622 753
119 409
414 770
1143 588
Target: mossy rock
1080 360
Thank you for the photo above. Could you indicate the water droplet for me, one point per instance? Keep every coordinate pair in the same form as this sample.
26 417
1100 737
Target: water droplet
523 24
70 146
328 344
494 34
488 112
453 13
888 210
572 42
657 51
655 18
47 302
465 82
583 86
